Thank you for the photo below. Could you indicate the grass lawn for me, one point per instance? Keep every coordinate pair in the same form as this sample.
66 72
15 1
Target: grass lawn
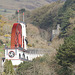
2 47
2 51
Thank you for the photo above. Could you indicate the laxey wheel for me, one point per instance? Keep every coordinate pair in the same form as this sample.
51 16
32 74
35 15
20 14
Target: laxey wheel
16 36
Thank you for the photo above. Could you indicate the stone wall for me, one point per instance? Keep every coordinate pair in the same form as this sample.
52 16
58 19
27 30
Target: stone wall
55 32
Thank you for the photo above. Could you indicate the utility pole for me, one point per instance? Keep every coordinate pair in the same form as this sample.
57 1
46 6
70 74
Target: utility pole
23 16
18 16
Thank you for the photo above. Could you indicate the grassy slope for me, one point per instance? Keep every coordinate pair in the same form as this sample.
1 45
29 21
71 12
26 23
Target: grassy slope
28 4
35 39
5 30
15 4
44 17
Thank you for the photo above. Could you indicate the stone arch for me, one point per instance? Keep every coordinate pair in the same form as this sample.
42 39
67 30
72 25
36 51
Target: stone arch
19 56
23 55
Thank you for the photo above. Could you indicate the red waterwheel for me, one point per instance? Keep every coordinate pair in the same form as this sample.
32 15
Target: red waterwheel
16 36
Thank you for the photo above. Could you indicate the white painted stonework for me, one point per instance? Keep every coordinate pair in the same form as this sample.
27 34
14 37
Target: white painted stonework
24 35
18 55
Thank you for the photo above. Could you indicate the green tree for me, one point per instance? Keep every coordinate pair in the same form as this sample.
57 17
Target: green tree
66 53
25 68
46 16
22 10
64 14
8 68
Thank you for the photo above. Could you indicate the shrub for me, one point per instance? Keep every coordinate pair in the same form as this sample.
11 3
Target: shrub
1 42
29 45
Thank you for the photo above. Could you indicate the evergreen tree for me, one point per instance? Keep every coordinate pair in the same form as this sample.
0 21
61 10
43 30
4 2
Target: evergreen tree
8 68
66 54
64 14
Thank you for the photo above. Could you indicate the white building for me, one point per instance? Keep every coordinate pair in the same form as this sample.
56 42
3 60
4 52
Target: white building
18 51
19 55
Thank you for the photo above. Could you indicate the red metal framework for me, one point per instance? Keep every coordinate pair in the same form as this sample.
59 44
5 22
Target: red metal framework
16 36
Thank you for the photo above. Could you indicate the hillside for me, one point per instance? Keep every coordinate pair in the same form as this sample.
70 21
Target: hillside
35 38
62 61
27 4
45 18
66 18
36 41
48 16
